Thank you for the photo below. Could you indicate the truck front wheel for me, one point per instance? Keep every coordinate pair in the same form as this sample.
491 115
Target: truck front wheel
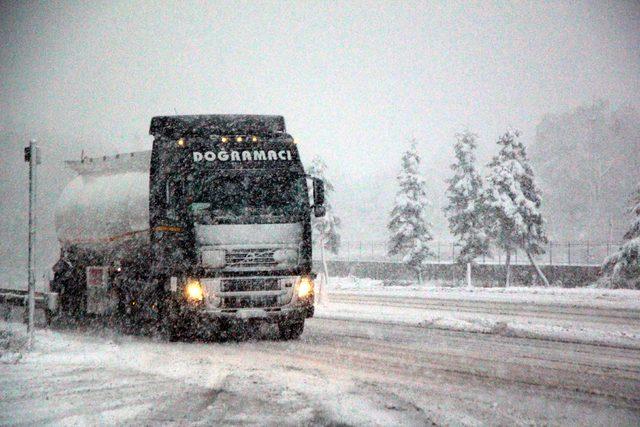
170 324
291 330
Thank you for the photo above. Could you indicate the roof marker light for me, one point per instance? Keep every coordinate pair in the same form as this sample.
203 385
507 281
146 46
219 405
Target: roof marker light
224 139
254 138
239 139
181 142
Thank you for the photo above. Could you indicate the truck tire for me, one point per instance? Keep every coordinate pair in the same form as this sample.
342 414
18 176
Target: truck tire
50 317
168 331
71 295
170 328
170 324
291 330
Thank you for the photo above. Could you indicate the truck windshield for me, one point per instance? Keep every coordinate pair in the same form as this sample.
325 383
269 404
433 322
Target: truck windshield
250 193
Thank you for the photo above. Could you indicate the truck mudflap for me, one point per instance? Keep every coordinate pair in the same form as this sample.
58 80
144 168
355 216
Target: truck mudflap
100 296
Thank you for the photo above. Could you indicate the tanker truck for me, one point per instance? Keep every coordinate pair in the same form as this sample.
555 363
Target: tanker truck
209 230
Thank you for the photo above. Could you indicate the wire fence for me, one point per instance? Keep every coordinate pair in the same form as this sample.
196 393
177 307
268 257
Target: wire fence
555 253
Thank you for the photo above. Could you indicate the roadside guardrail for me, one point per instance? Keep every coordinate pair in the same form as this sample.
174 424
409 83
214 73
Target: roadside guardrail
47 301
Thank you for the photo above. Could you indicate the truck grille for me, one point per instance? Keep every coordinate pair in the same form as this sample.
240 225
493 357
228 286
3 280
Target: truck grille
265 292
249 285
250 258
250 302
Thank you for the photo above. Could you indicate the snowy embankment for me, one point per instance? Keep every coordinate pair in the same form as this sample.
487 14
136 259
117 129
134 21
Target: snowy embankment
584 315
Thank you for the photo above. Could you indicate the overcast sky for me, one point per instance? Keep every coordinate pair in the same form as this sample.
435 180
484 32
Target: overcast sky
354 80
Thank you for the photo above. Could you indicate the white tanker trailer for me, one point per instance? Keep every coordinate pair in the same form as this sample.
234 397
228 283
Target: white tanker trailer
109 198
208 229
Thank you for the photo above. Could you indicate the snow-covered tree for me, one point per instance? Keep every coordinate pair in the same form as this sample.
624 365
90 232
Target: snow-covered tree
623 267
325 227
514 203
466 210
409 227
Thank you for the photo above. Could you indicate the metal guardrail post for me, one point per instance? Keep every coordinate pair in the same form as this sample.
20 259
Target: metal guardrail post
348 252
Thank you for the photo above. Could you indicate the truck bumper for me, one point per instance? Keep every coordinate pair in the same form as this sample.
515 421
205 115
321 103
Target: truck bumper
247 298
208 323
272 315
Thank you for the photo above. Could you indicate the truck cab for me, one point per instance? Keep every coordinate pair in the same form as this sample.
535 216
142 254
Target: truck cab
230 219
210 228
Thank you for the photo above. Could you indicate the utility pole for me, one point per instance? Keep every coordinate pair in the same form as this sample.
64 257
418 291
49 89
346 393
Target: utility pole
32 156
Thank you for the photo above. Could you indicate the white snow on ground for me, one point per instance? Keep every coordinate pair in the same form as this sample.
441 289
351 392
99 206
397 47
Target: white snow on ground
362 372
110 361
592 297
556 322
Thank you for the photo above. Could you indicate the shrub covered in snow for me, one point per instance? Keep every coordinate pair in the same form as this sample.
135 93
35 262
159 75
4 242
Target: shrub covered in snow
622 269
409 227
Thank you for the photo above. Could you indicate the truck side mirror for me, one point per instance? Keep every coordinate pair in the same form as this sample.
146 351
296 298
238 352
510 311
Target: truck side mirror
318 197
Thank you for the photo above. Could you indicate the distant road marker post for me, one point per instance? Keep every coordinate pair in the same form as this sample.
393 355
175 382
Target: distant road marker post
32 156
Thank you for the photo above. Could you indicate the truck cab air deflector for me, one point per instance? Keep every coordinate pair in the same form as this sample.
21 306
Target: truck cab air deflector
219 124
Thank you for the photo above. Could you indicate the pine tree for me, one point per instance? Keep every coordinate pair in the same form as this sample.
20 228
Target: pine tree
514 203
410 230
466 210
623 267
327 226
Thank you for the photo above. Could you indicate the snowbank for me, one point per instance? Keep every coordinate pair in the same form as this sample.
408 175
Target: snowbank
587 297
547 313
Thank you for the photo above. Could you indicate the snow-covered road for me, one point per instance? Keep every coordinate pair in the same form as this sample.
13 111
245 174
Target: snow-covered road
585 315
606 317
340 371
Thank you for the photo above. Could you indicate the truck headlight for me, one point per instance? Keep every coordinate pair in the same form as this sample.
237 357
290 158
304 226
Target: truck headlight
193 290
305 287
